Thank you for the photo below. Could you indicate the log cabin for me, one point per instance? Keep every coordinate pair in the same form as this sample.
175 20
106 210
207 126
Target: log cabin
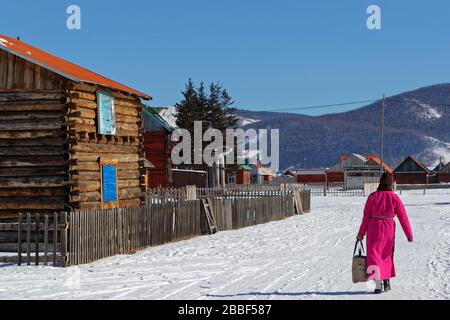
70 139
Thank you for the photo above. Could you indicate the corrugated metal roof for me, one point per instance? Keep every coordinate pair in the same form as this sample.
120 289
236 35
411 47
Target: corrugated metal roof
413 159
152 113
377 160
245 167
62 67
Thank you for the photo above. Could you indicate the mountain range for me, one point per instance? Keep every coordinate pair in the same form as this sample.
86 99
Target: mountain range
417 123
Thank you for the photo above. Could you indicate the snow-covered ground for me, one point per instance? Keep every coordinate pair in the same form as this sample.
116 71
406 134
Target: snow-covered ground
304 257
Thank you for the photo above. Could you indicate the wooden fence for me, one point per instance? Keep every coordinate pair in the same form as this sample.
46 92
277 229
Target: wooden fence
100 234
38 239
335 190
76 238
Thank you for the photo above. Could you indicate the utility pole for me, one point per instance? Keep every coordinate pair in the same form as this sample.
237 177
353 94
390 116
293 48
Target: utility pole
383 101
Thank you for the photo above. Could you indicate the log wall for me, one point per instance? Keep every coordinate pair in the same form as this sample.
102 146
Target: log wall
86 148
33 142
49 146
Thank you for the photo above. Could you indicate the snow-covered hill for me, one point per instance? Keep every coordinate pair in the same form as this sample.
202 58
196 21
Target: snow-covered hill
417 123
169 114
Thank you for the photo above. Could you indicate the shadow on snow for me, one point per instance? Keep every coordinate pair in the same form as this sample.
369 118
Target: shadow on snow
290 294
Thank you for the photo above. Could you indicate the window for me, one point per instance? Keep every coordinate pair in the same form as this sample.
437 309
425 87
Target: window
231 179
106 113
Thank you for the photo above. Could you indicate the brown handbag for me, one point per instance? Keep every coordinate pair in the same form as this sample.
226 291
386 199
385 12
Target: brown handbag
359 266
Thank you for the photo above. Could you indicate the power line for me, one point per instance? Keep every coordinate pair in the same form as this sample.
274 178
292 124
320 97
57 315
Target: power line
349 104
321 106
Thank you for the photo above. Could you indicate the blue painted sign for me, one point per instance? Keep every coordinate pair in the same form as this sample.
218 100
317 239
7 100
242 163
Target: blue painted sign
109 183
106 113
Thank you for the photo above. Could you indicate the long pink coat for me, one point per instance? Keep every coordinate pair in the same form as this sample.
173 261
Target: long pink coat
379 224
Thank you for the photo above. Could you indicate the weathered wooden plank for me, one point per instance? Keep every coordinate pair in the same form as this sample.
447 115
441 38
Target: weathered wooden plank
32 125
3 68
19 237
36 239
41 161
37 77
55 238
46 240
31 151
98 148
32 203
10 75
50 142
28 239
28 182
82 103
28 106
39 134
28 75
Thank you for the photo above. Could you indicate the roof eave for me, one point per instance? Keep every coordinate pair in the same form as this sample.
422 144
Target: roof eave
67 76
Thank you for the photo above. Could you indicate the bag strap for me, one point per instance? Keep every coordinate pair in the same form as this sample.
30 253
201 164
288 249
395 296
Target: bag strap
361 252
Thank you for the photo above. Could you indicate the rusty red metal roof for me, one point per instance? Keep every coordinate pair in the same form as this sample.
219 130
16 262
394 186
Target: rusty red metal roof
60 66
411 158
377 160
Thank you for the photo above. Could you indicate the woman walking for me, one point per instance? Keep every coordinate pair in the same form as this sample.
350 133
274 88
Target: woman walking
379 225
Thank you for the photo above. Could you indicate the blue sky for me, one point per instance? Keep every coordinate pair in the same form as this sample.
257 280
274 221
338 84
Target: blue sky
269 54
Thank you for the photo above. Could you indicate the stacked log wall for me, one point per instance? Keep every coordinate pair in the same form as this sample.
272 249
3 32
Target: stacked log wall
33 139
86 148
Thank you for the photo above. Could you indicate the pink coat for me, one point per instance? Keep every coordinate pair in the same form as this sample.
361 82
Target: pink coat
379 225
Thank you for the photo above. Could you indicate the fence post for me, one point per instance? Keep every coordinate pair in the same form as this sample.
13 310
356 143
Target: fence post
36 238
64 242
19 240
55 237
28 239
46 240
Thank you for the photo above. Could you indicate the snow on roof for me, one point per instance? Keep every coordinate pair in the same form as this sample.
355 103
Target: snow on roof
62 67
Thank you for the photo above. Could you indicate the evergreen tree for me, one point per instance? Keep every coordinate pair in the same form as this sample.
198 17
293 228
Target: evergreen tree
186 109
230 118
214 110
215 115
202 106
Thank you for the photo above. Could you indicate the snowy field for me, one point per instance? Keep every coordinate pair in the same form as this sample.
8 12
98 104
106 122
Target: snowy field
304 257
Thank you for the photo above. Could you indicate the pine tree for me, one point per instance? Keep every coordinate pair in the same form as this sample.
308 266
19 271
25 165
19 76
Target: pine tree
186 109
214 110
215 114
202 106
230 118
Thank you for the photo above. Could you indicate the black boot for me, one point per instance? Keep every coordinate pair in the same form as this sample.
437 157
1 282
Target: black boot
387 285
378 287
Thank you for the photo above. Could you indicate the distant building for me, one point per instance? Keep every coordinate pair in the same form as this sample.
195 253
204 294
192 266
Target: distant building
261 174
312 176
443 175
411 171
158 148
239 175
183 178
355 170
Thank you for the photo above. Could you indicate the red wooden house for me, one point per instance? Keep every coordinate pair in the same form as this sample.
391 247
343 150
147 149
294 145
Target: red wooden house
311 176
411 171
158 147
239 174
443 176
